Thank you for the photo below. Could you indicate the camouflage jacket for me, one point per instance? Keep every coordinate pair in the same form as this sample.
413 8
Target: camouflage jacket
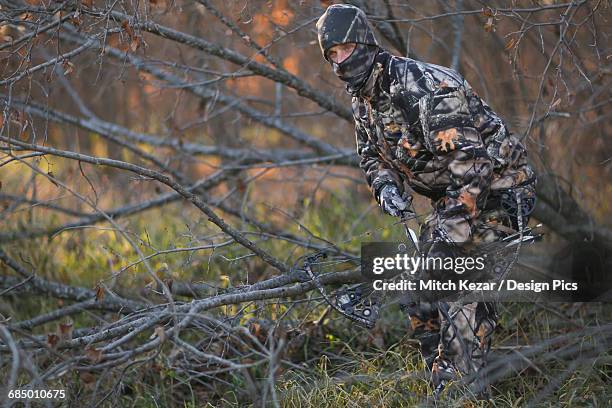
422 125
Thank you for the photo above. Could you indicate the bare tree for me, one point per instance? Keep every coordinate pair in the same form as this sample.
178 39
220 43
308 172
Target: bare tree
115 114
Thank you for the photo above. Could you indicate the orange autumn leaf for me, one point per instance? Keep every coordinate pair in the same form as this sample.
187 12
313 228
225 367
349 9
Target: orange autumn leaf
447 138
261 24
126 27
256 329
291 64
469 201
511 44
482 333
281 15
113 40
409 148
93 354
52 340
100 293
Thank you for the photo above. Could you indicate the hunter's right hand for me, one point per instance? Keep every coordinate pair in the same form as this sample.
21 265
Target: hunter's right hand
391 201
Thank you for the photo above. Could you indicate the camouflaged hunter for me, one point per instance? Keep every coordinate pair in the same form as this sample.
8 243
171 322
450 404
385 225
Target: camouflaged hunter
421 128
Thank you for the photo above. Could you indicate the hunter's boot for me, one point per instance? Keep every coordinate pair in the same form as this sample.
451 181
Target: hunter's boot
465 340
425 323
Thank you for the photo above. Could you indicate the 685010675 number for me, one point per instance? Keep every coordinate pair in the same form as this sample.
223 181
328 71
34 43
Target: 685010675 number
36 394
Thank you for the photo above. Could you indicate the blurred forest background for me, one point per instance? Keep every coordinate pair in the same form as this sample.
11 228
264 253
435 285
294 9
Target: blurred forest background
165 164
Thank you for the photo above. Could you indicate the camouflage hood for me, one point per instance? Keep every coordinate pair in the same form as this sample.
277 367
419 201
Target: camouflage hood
341 24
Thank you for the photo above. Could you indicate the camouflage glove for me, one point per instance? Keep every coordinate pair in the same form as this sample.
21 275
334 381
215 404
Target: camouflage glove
392 202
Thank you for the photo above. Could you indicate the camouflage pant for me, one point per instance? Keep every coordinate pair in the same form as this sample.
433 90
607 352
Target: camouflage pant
455 337
458 332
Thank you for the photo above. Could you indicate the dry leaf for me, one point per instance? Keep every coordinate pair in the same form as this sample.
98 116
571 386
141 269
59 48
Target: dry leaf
160 333
52 340
89 379
490 25
168 283
76 19
65 330
241 185
511 44
100 293
482 333
134 44
27 17
255 328
113 40
93 354
68 67
87 3
447 138
126 27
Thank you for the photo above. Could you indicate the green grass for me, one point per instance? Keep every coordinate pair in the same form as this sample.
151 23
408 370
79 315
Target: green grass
341 366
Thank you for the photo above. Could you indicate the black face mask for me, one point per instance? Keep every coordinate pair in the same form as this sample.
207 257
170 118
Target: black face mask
344 24
356 68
